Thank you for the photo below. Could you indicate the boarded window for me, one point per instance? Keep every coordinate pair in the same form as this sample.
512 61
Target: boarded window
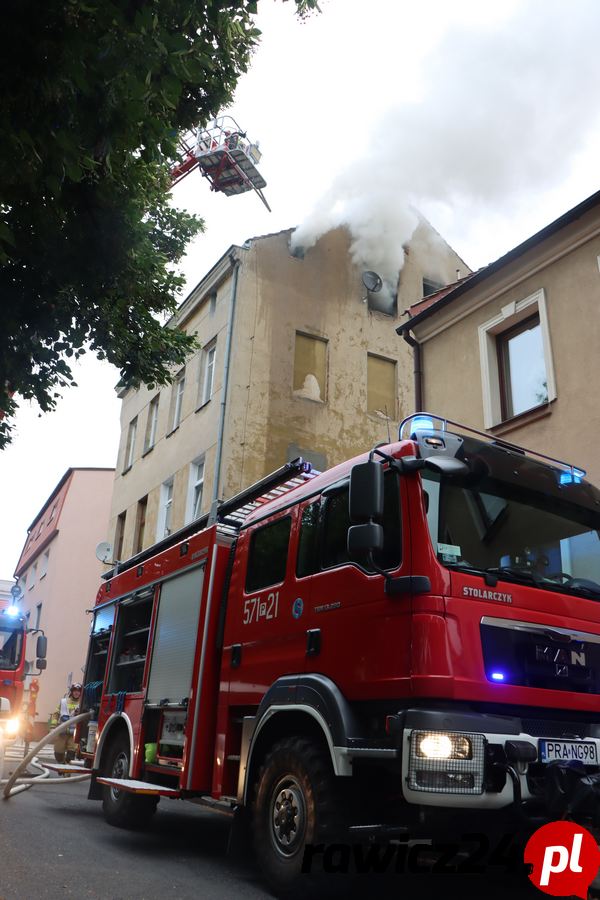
381 386
267 558
140 525
310 368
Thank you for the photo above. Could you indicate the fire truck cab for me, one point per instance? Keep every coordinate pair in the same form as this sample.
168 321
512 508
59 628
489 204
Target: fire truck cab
409 638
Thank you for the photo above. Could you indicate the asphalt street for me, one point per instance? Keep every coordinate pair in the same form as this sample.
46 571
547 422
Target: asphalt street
55 844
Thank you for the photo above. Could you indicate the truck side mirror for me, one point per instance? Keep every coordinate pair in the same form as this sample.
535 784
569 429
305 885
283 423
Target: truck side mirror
366 492
364 539
41 664
41 647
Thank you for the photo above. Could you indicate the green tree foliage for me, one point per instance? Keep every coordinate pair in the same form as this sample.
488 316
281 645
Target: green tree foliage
94 95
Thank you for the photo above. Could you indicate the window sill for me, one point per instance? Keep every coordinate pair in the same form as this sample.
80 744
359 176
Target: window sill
172 431
146 452
524 418
297 396
202 405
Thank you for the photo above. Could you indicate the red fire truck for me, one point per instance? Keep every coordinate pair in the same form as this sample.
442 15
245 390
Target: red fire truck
409 638
13 633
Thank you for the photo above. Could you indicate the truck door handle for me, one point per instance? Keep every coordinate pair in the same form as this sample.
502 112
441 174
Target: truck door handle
313 642
236 656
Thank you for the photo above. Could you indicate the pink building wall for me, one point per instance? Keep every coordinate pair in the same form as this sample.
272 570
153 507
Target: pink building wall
69 586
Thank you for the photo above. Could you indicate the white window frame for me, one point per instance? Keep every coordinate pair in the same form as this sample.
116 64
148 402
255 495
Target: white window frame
130 444
165 511
177 401
44 564
509 316
207 371
196 479
32 575
151 424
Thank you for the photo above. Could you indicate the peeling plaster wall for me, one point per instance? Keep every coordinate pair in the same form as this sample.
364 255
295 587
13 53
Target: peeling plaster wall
265 424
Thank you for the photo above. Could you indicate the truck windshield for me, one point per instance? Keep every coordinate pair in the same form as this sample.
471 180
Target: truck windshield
520 522
11 647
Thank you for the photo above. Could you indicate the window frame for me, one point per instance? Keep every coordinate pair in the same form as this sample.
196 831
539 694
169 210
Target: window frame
120 535
207 364
130 444
177 400
151 424
165 511
511 315
193 483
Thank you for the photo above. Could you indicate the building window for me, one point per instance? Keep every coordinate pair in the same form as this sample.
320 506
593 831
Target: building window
383 300
130 445
152 422
38 615
517 373
44 563
32 575
165 511
40 529
381 386
53 513
430 286
213 303
207 372
177 399
310 367
522 368
195 490
119 536
140 525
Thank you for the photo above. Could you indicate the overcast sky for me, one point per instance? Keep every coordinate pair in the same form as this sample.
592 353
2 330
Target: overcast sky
484 116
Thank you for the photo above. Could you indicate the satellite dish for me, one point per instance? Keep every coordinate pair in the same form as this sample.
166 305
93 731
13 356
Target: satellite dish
372 281
104 552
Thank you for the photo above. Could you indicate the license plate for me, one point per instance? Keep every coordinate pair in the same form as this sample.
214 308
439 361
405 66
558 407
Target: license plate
565 751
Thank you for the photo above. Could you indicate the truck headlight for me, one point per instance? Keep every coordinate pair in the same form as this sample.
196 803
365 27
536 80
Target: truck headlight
446 762
10 726
440 745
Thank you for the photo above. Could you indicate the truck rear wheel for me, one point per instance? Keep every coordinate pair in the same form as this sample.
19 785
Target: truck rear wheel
121 808
294 805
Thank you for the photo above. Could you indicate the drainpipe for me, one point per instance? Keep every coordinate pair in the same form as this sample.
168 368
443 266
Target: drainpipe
235 263
417 370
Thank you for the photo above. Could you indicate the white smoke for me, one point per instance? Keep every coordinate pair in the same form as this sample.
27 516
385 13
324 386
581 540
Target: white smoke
503 115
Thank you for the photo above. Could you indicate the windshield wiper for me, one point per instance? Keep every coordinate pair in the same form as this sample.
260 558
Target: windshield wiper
518 574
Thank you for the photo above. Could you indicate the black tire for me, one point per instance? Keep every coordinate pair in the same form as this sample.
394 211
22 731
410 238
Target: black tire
295 804
121 808
59 757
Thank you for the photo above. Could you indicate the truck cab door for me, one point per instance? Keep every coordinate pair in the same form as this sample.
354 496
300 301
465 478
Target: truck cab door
265 631
358 635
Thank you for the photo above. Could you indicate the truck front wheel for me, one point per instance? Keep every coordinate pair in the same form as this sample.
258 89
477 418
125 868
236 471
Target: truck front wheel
294 805
121 808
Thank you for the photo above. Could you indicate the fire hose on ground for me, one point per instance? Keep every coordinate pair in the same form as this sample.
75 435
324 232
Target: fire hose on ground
15 784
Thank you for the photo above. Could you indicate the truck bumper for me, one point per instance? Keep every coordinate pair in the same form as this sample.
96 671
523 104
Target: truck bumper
465 760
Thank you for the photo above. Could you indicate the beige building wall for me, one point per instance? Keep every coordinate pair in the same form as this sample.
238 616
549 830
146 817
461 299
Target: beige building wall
268 420
61 595
566 268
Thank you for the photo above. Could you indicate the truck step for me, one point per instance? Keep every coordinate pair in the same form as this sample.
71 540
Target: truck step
66 768
140 787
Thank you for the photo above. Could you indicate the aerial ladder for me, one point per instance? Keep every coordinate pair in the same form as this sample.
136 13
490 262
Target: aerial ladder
224 155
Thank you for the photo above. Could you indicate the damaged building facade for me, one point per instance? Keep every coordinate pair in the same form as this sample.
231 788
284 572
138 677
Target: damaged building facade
297 358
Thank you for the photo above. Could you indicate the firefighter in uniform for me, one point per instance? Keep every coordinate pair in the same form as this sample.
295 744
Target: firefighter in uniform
64 745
